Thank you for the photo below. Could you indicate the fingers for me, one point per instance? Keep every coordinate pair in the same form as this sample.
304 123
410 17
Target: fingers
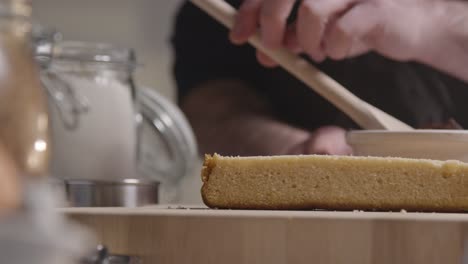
329 140
290 41
313 18
272 17
265 60
246 22
273 21
348 35
324 28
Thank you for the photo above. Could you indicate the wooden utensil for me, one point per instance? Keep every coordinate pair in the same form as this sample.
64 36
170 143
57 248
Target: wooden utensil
364 114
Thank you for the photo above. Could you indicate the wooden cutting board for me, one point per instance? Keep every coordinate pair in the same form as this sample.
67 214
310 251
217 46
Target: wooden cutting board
201 236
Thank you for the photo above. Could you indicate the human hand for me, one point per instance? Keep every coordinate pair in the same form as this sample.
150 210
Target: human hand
399 29
327 140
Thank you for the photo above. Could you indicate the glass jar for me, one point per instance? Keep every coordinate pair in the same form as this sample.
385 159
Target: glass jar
23 106
92 111
103 127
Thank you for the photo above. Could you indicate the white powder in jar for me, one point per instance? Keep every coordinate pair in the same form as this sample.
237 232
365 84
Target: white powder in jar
103 145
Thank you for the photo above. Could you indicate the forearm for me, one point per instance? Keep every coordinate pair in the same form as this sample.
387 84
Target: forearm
449 52
230 119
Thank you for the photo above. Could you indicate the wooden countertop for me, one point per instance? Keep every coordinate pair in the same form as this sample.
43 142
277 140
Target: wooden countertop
201 211
172 234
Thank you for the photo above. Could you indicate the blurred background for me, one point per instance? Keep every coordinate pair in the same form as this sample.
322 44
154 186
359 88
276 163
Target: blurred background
144 25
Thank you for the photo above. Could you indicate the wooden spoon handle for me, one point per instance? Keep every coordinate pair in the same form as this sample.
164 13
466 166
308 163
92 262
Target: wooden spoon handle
360 111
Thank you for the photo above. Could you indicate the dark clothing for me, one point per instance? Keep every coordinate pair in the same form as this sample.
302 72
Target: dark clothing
414 93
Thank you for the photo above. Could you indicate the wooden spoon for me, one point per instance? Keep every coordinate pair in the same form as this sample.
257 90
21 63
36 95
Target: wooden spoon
364 114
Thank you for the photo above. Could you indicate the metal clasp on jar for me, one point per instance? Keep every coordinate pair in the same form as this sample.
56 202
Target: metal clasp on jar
102 256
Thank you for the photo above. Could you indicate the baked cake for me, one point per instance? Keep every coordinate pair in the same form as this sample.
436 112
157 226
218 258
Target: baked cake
334 183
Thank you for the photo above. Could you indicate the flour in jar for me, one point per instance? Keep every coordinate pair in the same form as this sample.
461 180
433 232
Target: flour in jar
103 144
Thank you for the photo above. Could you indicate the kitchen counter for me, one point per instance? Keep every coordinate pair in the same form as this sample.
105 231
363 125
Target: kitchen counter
181 234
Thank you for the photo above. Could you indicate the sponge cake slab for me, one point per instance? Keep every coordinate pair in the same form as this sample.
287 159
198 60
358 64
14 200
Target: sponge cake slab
334 183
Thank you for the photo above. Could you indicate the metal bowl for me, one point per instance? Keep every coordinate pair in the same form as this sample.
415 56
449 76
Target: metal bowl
118 193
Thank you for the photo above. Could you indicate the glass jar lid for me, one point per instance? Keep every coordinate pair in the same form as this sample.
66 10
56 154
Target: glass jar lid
92 52
168 152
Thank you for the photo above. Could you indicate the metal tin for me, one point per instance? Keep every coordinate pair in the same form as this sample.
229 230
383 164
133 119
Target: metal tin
117 193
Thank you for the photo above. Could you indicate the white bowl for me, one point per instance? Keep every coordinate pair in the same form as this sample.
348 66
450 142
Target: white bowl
423 144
